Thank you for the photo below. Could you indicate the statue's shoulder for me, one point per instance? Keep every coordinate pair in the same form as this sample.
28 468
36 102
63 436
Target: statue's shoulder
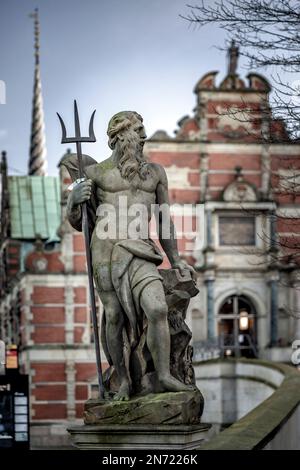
106 164
159 171
98 169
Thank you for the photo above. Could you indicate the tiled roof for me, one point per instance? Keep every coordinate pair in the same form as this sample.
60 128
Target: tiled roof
34 206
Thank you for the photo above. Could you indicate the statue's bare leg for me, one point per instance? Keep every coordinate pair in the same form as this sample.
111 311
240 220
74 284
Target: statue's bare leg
114 327
154 305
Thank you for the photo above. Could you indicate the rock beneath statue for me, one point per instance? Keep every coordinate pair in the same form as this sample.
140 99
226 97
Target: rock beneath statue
156 408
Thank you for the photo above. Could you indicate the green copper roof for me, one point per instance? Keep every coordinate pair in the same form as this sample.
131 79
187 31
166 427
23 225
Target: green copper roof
34 206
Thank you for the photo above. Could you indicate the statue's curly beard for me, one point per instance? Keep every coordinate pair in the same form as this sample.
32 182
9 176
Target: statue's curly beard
131 160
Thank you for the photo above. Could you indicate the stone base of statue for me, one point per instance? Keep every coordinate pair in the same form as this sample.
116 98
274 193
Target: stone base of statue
156 421
155 408
139 436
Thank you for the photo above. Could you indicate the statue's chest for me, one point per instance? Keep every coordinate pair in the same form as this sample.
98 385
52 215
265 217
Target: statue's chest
113 182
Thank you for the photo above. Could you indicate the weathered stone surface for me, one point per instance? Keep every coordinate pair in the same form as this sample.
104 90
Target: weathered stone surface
161 408
128 265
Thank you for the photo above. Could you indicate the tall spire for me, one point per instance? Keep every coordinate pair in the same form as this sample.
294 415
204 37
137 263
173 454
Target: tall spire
233 54
37 160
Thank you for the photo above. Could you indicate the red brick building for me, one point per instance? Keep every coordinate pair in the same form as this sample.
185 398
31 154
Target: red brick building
215 160
236 161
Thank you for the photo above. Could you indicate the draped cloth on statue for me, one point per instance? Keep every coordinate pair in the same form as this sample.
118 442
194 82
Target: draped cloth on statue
70 161
133 266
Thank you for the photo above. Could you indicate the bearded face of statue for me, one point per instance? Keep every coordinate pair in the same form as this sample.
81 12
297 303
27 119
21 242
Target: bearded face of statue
127 136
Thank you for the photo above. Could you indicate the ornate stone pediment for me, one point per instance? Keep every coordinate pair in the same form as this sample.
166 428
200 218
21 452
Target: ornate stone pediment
240 190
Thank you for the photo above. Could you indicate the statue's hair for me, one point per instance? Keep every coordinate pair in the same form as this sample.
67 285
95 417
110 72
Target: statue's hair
119 123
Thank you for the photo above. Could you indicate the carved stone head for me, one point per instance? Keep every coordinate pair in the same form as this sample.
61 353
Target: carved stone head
120 123
127 135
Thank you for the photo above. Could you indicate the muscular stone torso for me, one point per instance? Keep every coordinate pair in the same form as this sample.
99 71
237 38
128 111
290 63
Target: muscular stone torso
114 190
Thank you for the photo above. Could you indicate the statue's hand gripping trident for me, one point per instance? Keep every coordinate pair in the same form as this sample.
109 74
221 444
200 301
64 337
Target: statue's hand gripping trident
78 139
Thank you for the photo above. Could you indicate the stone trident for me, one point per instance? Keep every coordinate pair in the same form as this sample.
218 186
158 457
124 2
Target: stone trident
78 139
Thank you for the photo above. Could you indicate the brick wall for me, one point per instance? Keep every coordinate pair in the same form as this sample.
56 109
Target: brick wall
54 308
49 384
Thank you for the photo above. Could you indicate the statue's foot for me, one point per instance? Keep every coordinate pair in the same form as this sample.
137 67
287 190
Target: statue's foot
124 392
169 383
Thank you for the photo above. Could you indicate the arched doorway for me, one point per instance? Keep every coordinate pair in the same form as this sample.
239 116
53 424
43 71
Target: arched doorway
237 327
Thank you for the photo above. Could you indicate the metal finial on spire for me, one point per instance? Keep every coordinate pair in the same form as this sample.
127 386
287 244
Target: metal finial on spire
37 161
233 54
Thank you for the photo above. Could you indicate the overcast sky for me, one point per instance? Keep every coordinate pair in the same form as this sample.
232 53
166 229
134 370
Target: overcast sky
108 54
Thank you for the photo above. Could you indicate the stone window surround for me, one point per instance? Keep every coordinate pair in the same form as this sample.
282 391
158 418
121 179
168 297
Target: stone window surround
259 210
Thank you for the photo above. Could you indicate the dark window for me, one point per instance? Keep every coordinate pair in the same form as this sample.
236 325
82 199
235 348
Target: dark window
236 231
237 327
